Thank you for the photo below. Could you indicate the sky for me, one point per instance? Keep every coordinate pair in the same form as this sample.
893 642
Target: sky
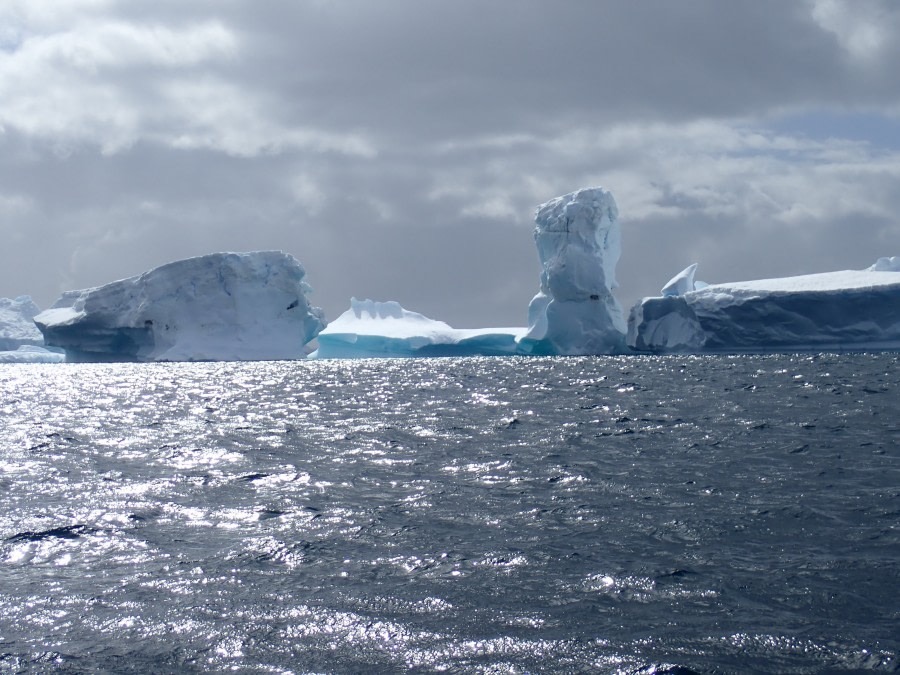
399 148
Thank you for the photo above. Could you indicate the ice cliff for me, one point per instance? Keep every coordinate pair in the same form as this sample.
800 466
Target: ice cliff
836 310
386 329
578 239
222 306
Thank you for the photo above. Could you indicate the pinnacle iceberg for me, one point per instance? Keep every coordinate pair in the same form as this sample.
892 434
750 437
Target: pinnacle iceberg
578 238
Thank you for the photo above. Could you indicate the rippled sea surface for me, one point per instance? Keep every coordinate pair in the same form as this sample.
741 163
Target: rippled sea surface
507 515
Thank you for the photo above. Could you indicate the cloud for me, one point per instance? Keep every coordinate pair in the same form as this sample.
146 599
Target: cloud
399 148
111 84
864 30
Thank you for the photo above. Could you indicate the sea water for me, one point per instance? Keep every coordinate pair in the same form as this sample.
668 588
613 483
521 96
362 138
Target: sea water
485 515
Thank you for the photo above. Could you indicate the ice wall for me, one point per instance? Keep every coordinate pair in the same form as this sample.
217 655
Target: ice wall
579 242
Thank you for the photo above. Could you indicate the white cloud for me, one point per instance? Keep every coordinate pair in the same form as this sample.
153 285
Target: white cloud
88 85
717 169
308 193
112 45
112 84
213 114
15 205
863 27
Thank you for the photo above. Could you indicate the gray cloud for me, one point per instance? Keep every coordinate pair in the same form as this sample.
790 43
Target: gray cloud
399 148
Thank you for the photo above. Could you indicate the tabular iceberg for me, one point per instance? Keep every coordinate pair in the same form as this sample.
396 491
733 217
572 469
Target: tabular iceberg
836 310
579 243
386 329
222 306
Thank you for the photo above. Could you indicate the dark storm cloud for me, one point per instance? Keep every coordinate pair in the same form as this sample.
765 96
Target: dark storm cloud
399 148
499 67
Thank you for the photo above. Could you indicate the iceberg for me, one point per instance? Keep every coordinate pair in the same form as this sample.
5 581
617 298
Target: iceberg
681 283
385 329
20 339
17 327
221 306
31 354
850 309
578 239
579 242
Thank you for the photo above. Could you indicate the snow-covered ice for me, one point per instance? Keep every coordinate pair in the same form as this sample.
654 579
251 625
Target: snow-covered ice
31 354
386 329
17 323
851 309
221 306
578 239
681 283
20 339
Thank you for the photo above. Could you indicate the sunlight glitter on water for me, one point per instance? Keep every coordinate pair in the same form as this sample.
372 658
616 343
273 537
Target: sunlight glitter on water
478 515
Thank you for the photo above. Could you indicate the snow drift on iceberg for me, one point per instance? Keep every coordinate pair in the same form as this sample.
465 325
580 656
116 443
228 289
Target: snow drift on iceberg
578 239
222 306
836 310
386 329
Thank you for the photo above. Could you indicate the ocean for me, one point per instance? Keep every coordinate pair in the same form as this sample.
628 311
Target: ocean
475 515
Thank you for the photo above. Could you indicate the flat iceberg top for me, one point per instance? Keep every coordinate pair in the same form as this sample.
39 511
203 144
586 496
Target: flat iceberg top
60 316
516 331
825 281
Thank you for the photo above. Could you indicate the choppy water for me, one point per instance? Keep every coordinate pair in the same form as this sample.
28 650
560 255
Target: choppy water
722 514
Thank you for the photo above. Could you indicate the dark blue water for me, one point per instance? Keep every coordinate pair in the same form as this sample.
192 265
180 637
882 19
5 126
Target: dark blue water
722 514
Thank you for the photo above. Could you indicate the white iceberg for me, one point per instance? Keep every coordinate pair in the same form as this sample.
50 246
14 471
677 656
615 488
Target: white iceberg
386 329
222 306
17 327
31 354
579 243
851 309
681 283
